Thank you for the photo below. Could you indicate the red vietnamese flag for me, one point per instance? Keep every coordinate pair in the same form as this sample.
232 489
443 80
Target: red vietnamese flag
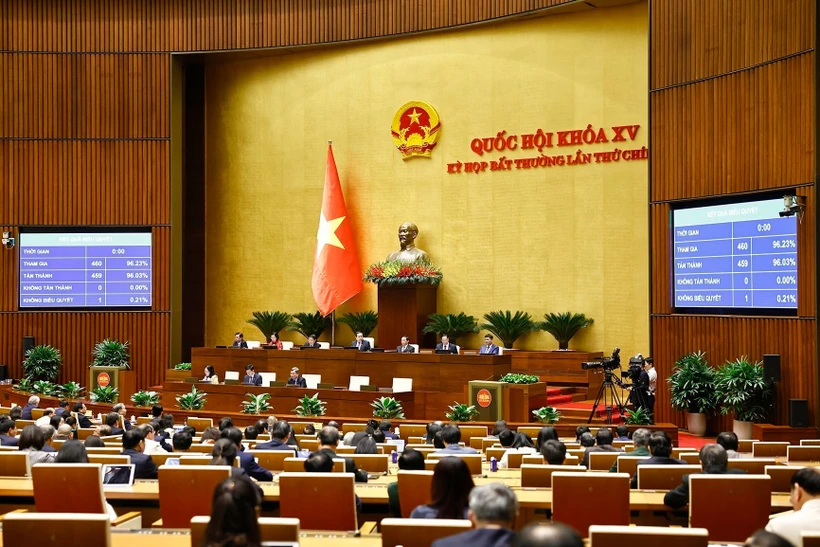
336 274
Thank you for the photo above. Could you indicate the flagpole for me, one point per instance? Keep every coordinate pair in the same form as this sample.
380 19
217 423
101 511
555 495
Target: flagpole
333 328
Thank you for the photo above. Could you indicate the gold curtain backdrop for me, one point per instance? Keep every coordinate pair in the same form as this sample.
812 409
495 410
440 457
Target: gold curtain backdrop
547 239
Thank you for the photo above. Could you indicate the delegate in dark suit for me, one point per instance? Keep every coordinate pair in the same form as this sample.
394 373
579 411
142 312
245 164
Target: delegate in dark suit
447 347
492 349
255 380
406 349
145 468
27 411
350 466
84 421
240 344
275 444
481 537
253 469
364 345
654 460
298 381
679 497
8 440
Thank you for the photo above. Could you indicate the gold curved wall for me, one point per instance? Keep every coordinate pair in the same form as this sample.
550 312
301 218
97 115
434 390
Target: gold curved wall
553 239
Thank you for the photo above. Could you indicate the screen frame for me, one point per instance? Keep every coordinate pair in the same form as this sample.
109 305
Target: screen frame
731 199
98 229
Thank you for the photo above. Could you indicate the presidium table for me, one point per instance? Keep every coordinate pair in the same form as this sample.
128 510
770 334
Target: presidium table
438 380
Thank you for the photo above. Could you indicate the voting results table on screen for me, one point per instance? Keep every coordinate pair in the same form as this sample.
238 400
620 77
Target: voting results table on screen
735 256
85 270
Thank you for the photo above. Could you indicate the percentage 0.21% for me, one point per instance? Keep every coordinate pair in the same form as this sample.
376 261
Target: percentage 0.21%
139 299
787 298
786 261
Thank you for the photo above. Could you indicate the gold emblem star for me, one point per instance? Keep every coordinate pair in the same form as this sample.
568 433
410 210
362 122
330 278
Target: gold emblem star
327 232
414 117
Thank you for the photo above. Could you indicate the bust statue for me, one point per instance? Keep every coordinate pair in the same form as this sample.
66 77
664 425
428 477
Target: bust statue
408 232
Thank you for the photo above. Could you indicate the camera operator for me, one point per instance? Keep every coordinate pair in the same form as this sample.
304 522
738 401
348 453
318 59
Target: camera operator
642 390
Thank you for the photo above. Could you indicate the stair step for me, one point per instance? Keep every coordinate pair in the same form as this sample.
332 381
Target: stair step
559 399
551 391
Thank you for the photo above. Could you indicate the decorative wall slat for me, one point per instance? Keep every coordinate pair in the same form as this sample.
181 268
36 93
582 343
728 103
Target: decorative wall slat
701 38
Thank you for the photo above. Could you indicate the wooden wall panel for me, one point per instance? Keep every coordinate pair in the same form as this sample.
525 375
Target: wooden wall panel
82 96
752 130
697 39
725 338
84 181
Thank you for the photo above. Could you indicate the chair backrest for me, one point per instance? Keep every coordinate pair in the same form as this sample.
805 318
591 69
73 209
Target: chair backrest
348 427
267 378
803 453
540 476
473 461
412 430
200 449
356 382
501 350
769 449
692 458
321 501
419 532
530 430
372 463
37 413
810 442
231 375
573 494
195 459
324 345
629 536
470 431
622 444
273 460
14 464
312 380
297 465
731 507
781 477
402 385
83 434
110 459
414 490
602 461
144 420
753 466
20 424
253 344
287 344
270 529
628 464
371 340
160 457
515 459
187 491
89 530
415 347
200 424
310 444
83 481
745 445
663 477
496 453
810 539
109 449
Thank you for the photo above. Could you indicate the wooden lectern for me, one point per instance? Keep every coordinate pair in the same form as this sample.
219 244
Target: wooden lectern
404 311
118 377
502 401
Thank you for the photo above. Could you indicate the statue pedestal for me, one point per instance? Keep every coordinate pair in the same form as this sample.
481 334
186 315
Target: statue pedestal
404 311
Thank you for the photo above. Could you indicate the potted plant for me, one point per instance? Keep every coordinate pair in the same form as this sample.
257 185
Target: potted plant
310 406
461 412
145 398
390 273
741 389
508 327
43 387
110 353
23 385
183 366
387 408
256 404
193 400
269 322
638 416
42 363
364 322
547 415
71 390
563 326
309 323
454 326
516 378
107 394
692 387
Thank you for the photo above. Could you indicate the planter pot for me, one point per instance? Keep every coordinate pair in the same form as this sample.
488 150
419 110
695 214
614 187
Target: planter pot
696 423
743 430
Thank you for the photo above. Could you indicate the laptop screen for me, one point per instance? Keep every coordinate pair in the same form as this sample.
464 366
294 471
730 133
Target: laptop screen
119 474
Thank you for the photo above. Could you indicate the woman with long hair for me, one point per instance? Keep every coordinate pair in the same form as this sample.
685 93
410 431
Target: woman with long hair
210 375
233 515
366 446
450 491
32 440
547 433
224 452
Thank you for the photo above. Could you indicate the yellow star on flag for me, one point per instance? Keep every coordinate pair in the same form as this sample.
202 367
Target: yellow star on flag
327 232
414 117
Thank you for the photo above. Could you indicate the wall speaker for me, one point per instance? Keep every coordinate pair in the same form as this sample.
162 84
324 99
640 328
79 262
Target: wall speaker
771 368
798 413
28 343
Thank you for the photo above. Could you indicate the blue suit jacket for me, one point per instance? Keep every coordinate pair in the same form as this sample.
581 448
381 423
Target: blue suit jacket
481 537
450 347
145 468
275 444
8 440
300 381
253 469
256 381
27 411
492 350
365 345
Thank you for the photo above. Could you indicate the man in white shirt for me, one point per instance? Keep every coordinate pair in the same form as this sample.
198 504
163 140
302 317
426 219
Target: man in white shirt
151 446
649 367
805 498
45 419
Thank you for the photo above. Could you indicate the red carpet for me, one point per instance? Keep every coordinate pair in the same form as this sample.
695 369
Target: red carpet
685 440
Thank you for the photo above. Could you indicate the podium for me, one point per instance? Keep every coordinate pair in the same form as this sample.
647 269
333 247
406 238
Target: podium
403 311
118 377
502 401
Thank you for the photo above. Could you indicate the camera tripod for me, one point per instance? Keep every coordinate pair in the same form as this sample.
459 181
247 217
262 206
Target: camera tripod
610 397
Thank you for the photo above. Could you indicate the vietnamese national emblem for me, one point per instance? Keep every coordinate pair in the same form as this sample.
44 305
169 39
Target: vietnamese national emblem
415 129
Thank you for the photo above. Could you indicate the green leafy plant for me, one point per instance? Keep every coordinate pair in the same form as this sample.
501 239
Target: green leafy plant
310 406
43 387
742 390
110 353
452 325
461 412
364 322
71 390
309 323
145 398
23 385
193 400
107 394
388 408
269 322
256 404
638 416
515 378
42 363
183 366
692 384
563 326
390 273
547 415
508 327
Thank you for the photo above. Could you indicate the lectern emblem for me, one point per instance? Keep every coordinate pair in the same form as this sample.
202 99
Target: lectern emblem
103 379
484 398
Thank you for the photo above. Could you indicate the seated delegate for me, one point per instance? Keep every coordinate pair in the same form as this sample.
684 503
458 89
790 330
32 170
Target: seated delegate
239 341
251 377
311 342
274 341
296 378
405 346
446 346
361 343
210 375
